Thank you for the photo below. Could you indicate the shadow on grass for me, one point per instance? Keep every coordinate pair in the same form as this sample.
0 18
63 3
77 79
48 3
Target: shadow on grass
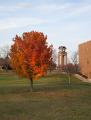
62 87
43 88
50 83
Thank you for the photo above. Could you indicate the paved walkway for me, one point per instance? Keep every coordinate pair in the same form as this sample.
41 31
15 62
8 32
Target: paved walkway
82 78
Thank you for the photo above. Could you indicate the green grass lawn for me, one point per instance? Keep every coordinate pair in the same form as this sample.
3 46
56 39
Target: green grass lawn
52 99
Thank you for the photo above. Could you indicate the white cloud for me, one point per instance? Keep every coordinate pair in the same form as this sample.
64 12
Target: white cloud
12 8
20 22
79 9
53 7
67 29
24 5
4 8
64 9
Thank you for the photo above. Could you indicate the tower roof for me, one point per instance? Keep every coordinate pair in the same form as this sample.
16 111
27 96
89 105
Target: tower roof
62 48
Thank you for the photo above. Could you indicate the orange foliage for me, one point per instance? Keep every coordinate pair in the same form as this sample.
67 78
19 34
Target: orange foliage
30 54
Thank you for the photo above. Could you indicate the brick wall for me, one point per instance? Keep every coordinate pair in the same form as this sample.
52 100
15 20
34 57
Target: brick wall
85 58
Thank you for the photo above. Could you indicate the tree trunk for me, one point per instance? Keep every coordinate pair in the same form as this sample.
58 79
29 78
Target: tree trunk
69 76
31 84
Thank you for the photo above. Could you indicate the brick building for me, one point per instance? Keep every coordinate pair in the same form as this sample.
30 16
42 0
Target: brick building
85 58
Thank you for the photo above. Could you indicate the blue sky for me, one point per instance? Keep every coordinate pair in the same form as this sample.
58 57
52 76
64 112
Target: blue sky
65 22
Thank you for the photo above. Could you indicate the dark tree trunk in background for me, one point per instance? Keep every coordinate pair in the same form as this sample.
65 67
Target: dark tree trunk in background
69 77
31 84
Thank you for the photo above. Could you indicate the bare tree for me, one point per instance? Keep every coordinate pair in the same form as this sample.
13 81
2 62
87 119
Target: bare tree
74 57
52 65
54 55
4 58
4 51
70 70
75 61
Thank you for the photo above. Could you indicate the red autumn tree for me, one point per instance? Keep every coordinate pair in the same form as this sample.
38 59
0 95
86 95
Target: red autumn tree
30 55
